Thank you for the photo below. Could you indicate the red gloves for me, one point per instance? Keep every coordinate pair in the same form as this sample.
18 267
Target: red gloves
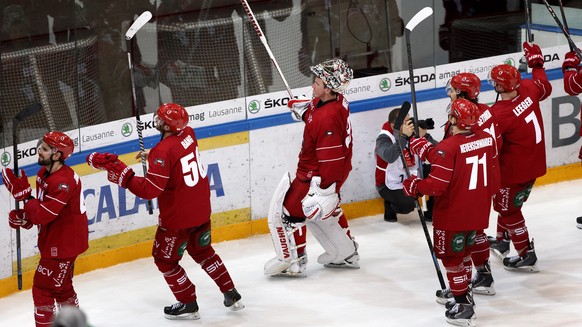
571 61
100 160
17 186
534 56
420 146
117 172
409 186
18 218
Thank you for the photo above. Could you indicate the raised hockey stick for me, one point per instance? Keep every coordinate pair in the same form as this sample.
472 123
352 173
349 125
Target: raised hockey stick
136 26
528 37
263 39
397 124
571 43
21 116
565 22
417 19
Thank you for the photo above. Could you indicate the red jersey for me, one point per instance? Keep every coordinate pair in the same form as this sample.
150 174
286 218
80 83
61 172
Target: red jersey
179 179
59 212
573 85
327 142
459 180
523 150
380 163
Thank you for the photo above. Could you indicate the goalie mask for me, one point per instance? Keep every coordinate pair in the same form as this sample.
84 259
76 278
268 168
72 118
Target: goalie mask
335 74
465 82
507 76
59 142
173 115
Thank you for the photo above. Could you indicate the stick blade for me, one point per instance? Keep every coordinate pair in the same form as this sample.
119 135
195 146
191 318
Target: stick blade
404 109
419 17
27 112
138 24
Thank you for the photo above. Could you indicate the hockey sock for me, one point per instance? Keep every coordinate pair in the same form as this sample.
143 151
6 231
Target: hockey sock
216 269
180 284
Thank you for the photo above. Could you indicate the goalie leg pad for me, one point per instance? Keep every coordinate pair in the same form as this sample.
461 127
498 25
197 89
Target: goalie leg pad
334 240
287 260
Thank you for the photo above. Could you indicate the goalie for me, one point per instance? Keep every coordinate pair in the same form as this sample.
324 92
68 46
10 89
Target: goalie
311 201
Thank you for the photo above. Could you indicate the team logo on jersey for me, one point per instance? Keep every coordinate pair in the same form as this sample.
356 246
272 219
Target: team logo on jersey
5 159
385 84
159 162
63 187
126 129
458 242
254 106
328 133
204 239
441 153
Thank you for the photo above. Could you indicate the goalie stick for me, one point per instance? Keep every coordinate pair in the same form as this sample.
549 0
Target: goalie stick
404 109
21 116
136 26
417 19
263 39
566 33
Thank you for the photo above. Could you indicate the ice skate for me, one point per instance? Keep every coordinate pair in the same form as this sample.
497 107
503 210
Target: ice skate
483 282
296 269
443 296
579 222
527 263
462 314
351 262
232 300
182 311
500 249
451 302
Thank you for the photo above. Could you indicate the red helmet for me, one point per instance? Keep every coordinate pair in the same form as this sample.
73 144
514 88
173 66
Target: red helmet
60 142
466 113
465 82
173 115
507 76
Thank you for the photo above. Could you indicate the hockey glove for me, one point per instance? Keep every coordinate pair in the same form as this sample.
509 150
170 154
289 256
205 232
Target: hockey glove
409 186
571 62
119 173
298 108
99 160
319 204
534 56
18 218
17 186
420 146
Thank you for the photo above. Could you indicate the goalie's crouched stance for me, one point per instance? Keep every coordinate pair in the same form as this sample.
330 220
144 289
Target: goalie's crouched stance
300 205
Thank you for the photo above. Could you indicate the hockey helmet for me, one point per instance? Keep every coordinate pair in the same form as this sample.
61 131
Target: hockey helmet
465 82
506 76
60 142
173 115
466 113
334 73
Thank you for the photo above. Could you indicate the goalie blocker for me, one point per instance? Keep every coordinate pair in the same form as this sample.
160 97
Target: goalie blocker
322 205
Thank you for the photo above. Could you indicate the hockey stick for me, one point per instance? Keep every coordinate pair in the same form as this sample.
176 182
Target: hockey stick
136 26
566 34
397 124
21 116
528 37
419 17
565 21
263 39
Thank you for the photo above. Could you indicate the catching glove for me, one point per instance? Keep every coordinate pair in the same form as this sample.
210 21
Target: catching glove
298 108
420 146
571 62
534 56
17 186
18 218
119 173
319 204
100 160
409 186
